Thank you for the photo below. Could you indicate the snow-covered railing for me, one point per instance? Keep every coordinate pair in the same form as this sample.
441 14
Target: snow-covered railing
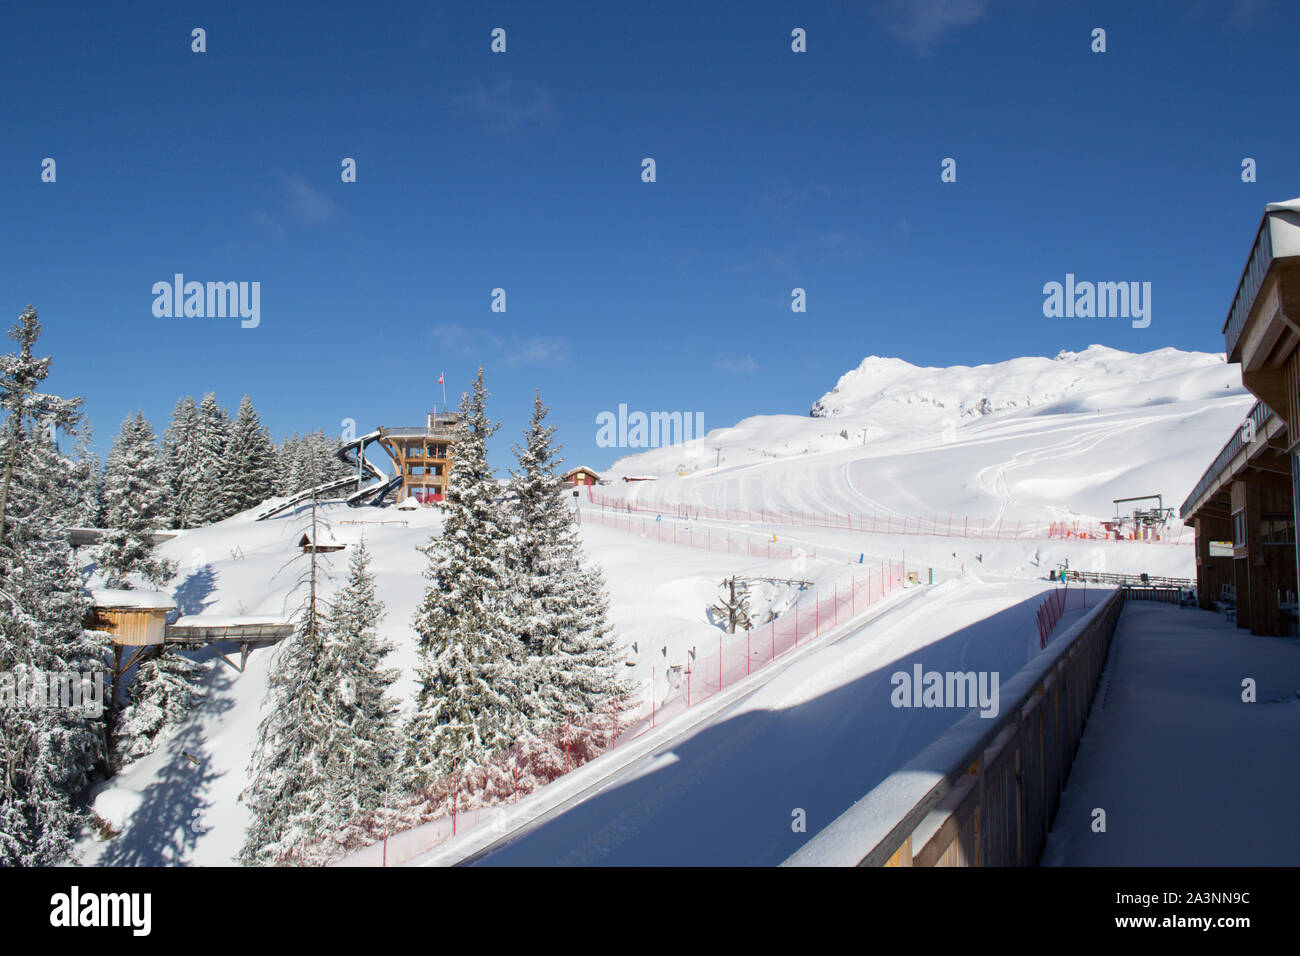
984 793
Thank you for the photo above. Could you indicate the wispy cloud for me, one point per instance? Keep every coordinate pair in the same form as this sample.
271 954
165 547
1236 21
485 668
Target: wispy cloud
537 352
506 108
305 202
298 201
924 24
461 340
744 365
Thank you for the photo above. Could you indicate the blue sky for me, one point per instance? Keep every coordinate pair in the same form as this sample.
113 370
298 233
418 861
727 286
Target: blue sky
522 171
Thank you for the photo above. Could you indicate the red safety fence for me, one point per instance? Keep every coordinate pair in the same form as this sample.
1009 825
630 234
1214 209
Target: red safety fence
950 526
710 539
1049 613
464 799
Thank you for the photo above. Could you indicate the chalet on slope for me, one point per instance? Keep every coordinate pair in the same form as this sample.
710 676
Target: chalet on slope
582 475
1244 507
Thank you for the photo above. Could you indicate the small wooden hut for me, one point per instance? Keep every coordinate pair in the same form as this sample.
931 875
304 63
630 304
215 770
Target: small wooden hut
323 543
133 618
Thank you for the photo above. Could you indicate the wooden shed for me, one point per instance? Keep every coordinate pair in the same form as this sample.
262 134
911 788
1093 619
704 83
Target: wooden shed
133 618
323 543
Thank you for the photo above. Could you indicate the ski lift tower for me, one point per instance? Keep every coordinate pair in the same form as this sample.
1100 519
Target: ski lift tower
1142 517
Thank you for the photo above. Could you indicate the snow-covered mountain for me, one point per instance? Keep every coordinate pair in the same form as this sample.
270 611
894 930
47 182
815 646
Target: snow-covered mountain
1026 439
1104 376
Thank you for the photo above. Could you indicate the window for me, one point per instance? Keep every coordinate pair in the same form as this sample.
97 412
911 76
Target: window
1277 529
1239 529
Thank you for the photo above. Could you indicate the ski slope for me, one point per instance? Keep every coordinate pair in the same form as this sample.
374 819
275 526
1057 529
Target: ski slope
809 741
1031 439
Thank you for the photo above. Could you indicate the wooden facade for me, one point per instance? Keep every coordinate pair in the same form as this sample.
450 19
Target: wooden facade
1249 497
132 618
422 456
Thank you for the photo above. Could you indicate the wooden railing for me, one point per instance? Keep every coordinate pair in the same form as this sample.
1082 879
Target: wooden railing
985 792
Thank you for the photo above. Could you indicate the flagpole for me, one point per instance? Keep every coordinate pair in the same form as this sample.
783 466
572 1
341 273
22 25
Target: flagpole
442 377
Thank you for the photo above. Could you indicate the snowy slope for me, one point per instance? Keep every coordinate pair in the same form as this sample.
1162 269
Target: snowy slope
1025 440
1030 439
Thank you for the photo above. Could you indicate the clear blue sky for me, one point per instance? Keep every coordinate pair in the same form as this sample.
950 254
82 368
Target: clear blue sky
522 171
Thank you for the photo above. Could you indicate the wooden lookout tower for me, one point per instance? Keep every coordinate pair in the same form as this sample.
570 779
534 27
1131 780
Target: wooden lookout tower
422 455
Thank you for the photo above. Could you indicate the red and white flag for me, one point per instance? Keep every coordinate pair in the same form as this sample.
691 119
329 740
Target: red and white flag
439 378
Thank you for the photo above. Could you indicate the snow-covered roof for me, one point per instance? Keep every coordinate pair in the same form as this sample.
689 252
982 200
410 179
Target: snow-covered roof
133 599
584 468
324 537
1291 205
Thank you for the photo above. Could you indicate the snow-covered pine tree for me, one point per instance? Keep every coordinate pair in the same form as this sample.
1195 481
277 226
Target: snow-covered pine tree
182 465
135 505
166 687
288 770
363 749
211 475
469 702
88 483
286 466
250 461
573 666
328 744
48 754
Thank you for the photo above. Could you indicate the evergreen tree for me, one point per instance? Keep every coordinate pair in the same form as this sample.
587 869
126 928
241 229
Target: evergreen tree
363 748
135 505
572 658
88 484
470 699
182 465
165 689
250 461
328 744
47 754
210 501
288 770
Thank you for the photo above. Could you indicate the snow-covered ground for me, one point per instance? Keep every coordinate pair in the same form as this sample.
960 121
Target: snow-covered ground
1187 772
806 744
1028 440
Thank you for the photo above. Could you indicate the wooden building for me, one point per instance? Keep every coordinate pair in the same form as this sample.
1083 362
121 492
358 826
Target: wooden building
132 618
582 475
422 456
1244 507
322 543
